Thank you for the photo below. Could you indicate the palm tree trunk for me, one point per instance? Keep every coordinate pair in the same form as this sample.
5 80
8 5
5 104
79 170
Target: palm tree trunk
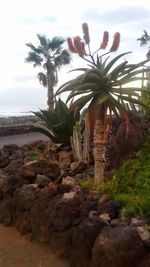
50 92
99 152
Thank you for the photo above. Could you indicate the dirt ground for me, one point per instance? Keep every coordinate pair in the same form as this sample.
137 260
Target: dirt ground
17 251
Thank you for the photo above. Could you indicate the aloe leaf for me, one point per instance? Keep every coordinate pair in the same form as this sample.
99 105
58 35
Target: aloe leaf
113 61
79 69
130 67
118 69
74 93
91 76
80 103
115 111
103 99
115 103
104 62
126 93
134 73
127 80
45 131
86 86
131 100
67 86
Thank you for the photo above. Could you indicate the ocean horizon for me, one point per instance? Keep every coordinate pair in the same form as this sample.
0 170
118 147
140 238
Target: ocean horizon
17 111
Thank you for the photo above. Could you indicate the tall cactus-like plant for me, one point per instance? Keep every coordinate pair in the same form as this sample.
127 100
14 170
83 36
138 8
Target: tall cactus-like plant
80 143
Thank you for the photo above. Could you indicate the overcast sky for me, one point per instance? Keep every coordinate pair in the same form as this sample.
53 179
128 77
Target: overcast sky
21 20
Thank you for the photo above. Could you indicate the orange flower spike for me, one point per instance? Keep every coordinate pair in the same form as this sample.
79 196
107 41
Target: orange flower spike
86 35
71 46
116 42
105 127
105 40
79 46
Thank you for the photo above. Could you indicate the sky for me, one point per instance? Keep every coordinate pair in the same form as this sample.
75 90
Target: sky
21 20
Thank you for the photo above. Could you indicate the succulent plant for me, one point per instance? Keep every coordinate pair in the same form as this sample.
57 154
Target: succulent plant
57 124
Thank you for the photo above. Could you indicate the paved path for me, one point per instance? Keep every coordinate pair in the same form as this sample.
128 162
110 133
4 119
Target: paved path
17 251
21 139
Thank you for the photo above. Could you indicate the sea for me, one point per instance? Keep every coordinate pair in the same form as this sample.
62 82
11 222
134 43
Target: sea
18 111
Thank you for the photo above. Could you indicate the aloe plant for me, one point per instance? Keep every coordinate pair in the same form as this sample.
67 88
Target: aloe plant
57 124
104 88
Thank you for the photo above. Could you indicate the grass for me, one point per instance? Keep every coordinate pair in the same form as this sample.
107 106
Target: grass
33 154
131 183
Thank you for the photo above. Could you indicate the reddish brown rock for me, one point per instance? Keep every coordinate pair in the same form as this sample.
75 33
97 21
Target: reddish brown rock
90 204
4 160
60 242
11 183
52 212
45 167
29 170
120 146
13 166
120 246
11 149
145 262
83 241
42 180
64 160
7 210
111 207
24 198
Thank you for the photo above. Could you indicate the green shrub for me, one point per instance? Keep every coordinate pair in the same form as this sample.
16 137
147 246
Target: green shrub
87 184
131 183
32 154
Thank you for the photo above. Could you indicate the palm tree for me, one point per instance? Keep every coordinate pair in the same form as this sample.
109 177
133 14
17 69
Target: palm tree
104 91
51 56
144 40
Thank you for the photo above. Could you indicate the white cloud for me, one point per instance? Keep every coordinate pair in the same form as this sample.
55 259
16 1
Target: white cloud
20 20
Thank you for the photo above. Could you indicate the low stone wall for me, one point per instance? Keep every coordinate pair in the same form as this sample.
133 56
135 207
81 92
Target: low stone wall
17 125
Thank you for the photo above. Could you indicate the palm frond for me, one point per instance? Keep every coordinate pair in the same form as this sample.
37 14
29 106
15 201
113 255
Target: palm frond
42 78
35 49
34 58
62 59
145 38
55 43
43 40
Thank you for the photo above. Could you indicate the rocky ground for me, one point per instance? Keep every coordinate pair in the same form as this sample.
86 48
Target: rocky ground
41 196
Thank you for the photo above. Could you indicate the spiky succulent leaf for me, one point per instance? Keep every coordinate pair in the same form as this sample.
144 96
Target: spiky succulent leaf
113 61
44 130
58 124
